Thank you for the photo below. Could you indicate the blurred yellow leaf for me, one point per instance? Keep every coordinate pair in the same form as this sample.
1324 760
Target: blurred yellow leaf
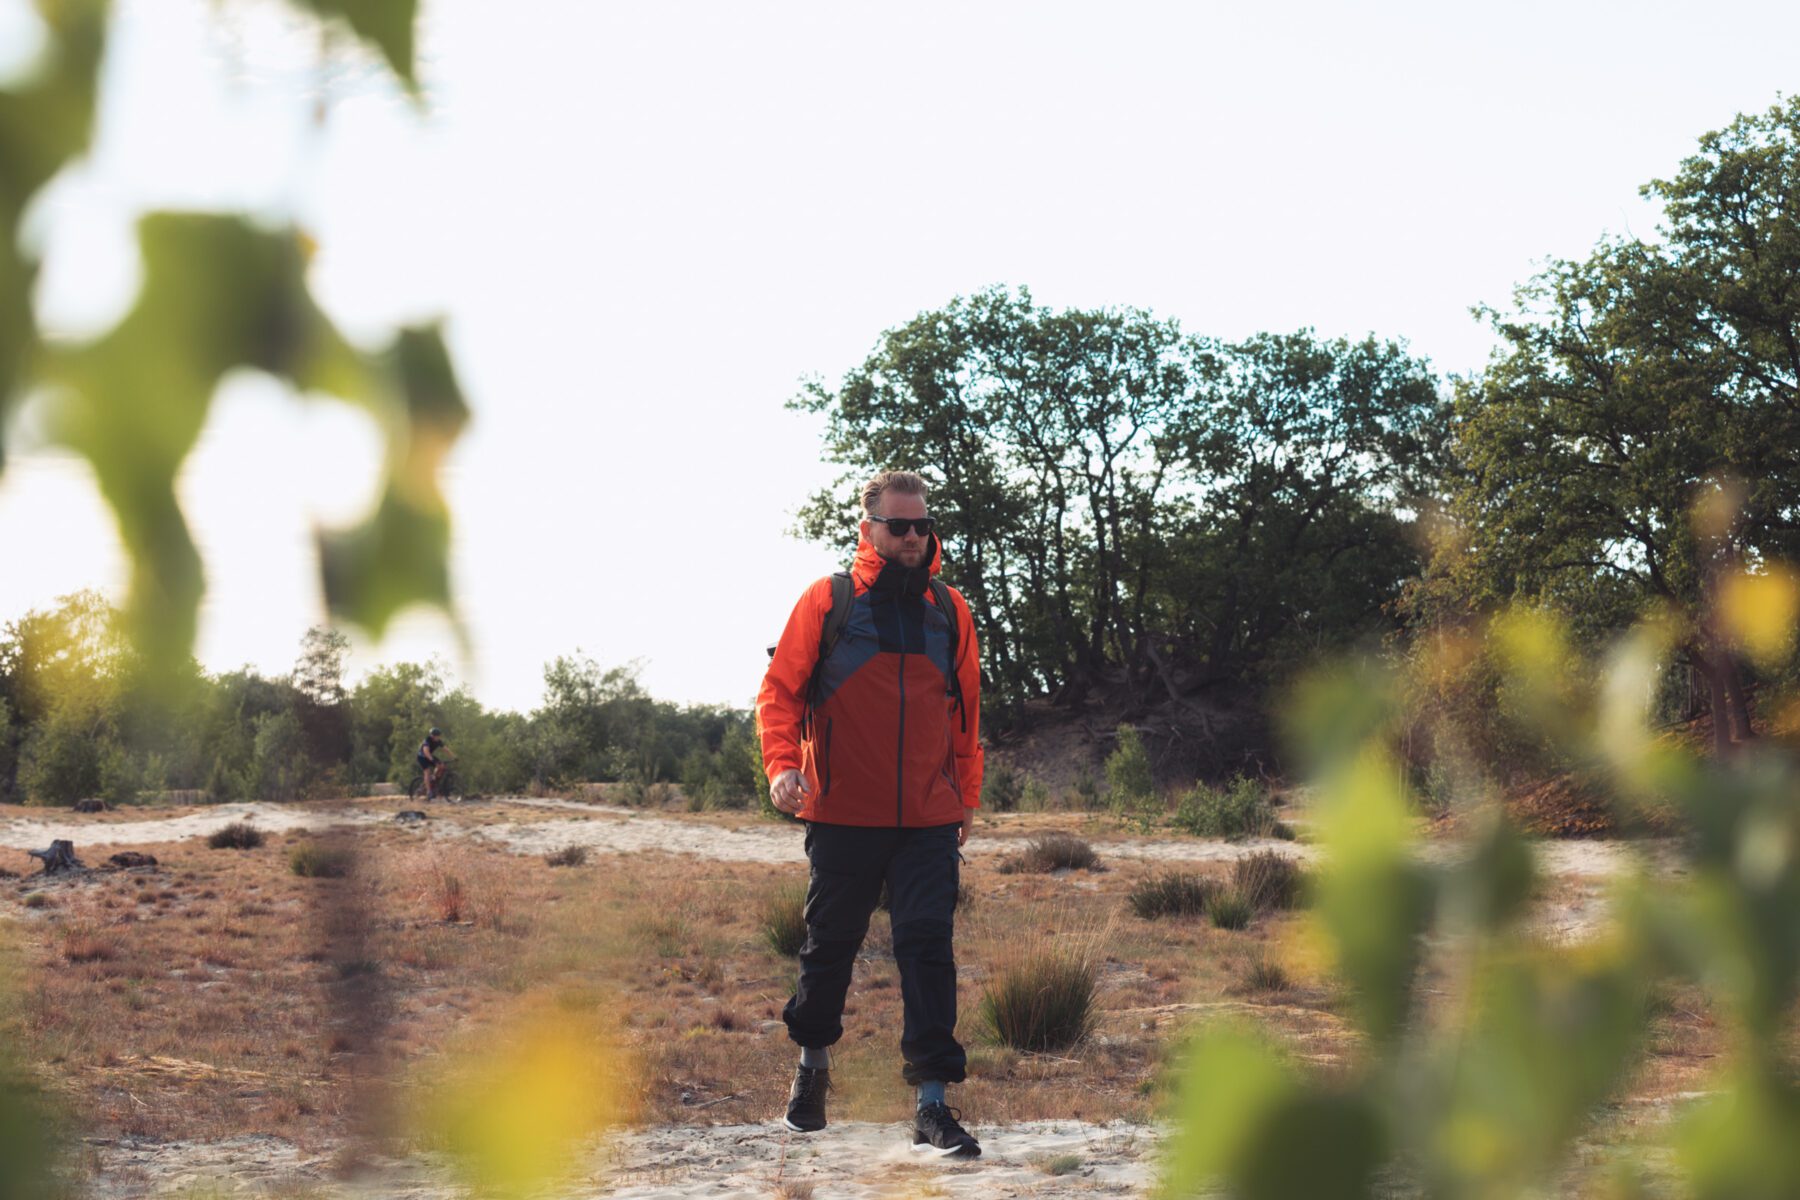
516 1114
1760 611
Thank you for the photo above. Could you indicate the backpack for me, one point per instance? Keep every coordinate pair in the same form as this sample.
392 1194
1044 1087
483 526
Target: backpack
843 595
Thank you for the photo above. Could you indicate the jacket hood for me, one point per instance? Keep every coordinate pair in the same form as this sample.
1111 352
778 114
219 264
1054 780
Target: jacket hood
867 565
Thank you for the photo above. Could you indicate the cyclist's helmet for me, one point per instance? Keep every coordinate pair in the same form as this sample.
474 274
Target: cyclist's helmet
436 732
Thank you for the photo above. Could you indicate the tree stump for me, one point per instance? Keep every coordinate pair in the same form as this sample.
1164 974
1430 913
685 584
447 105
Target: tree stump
59 857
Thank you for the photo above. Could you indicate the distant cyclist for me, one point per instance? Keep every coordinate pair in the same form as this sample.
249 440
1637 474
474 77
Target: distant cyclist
430 761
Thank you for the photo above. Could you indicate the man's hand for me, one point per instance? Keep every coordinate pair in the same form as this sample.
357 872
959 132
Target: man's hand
962 836
788 792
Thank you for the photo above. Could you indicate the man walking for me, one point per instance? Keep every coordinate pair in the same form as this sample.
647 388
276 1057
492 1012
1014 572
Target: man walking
869 716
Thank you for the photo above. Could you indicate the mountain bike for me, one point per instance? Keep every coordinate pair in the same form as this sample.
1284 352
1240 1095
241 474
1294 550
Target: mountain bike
449 787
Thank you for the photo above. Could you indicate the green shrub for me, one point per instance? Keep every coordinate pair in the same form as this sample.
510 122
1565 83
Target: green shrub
1044 1000
1035 797
1130 783
315 861
1175 895
784 920
1001 788
1052 852
1267 880
1238 811
1229 910
239 835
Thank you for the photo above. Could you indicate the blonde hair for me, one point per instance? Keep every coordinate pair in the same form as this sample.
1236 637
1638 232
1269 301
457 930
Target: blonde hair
907 483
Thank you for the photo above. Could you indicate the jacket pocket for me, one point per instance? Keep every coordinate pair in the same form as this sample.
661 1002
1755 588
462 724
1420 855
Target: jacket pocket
825 763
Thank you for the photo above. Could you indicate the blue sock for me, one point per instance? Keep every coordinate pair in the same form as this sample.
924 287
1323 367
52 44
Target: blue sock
816 1057
931 1092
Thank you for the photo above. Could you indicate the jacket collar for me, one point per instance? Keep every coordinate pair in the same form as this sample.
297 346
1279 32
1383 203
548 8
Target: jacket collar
867 565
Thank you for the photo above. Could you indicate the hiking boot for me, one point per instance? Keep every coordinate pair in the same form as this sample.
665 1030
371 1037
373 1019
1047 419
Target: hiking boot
935 1129
806 1100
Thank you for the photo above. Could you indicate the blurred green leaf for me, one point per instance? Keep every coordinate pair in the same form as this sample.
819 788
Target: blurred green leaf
1553 1034
1233 1080
221 294
1741 1143
218 294
1374 899
399 556
385 24
43 124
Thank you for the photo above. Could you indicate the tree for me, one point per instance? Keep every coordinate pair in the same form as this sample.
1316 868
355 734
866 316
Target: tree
1633 441
1132 508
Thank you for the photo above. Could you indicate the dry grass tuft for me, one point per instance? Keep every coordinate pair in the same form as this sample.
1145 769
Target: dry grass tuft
784 920
568 856
313 860
1044 995
1230 910
458 886
1048 852
239 835
84 942
1267 880
1261 973
1174 895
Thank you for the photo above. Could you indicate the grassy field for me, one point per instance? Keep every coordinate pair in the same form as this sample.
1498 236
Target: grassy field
221 994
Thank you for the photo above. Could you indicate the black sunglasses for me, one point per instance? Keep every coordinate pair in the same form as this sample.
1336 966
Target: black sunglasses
898 526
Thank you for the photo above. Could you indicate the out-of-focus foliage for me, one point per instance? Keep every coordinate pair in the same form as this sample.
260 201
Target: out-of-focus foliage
516 1112
1479 1087
78 720
1127 504
219 293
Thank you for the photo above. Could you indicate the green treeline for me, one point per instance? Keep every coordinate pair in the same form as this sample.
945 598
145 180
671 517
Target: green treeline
1152 513
78 719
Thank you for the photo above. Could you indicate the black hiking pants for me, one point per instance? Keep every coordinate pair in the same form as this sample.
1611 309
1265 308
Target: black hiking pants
920 868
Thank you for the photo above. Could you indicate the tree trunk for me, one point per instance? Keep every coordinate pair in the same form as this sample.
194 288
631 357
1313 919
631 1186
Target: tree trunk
1715 693
1737 699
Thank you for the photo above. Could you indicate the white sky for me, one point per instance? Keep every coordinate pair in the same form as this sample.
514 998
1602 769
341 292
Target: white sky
645 223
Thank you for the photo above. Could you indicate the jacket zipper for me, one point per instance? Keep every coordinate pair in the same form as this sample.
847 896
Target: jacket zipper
900 757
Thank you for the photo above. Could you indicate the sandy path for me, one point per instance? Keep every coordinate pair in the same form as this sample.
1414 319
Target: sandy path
36 833
853 1159
611 829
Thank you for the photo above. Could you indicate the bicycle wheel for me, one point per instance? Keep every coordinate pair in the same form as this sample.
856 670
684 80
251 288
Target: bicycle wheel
449 788
415 790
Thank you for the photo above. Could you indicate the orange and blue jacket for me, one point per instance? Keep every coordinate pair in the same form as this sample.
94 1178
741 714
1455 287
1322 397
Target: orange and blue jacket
883 743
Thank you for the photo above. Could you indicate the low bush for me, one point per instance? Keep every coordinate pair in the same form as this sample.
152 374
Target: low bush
1238 811
1268 880
239 835
1174 895
784 920
1229 910
568 856
315 861
1035 797
1052 852
1043 1000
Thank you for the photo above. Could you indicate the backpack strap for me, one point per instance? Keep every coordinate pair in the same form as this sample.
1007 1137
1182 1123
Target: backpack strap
843 595
940 591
